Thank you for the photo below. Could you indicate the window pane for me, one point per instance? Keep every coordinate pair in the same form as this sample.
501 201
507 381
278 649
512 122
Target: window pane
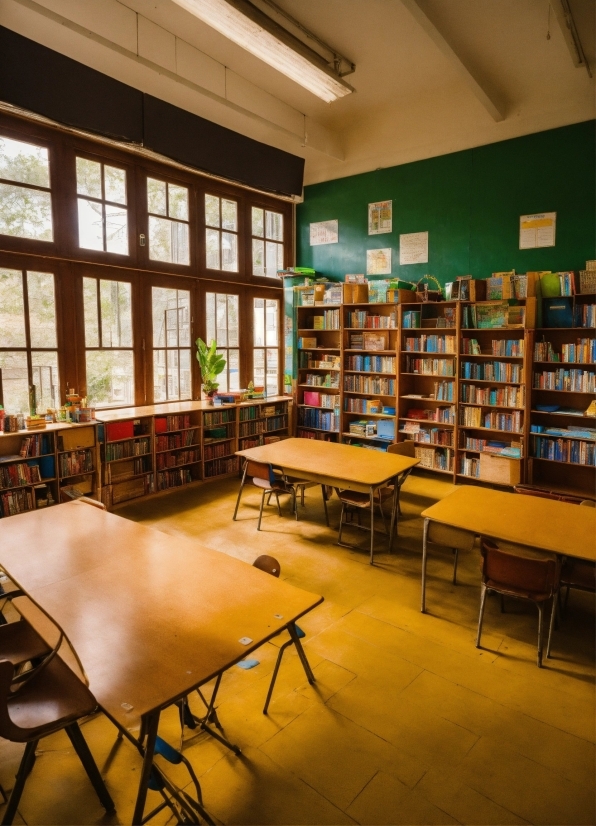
173 385
280 257
184 318
156 196
178 202
160 239
258 256
274 228
115 184
162 299
259 368
210 316
110 377
212 247
234 369
15 382
180 251
116 314
116 230
211 211
172 327
12 309
222 323
271 262
25 213
24 162
222 379
185 376
159 376
45 379
259 322
229 214
89 178
42 309
257 222
90 312
271 326
233 336
90 225
229 252
272 383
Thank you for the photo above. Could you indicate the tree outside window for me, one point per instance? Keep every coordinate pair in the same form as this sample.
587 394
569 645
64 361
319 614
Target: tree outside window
267 242
25 198
167 205
101 202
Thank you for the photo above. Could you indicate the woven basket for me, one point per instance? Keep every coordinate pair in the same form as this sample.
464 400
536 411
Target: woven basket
587 281
424 294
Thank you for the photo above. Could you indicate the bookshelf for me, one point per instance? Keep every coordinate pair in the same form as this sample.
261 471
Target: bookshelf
44 467
127 460
563 384
428 382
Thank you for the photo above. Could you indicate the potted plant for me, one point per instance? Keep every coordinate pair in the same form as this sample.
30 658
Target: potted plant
211 364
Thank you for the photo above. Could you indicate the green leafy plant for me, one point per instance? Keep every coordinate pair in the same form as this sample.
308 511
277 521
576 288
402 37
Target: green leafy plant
211 364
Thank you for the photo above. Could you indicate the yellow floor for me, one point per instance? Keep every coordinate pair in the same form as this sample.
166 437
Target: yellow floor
408 723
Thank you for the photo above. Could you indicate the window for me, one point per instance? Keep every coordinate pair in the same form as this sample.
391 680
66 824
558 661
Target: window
222 325
25 199
108 342
103 218
168 222
266 344
28 341
221 242
171 344
267 242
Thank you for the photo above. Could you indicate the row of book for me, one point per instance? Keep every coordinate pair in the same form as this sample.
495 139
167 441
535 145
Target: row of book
328 362
319 419
173 441
329 320
316 380
504 371
182 457
374 385
564 450
439 459
431 436
220 467
40 444
582 352
585 315
76 462
512 450
444 391
311 434
173 478
18 474
430 367
513 348
257 441
121 472
163 424
576 381
475 417
218 450
362 319
509 396
371 364
123 450
266 426
430 344
219 417
469 466
445 415
16 501
114 494
356 405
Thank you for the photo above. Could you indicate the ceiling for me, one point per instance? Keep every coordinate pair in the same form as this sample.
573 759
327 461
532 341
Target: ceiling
431 76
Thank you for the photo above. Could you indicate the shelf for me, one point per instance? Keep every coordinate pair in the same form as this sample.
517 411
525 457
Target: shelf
83 473
376 395
563 329
426 421
490 453
492 406
116 441
372 415
213 459
127 458
320 306
172 449
433 469
572 392
487 381
434 401
372 352
318 349
370 373
562 436
427 354
490 356
368 438
425 444
30 484
178 430
315 387
492 430
325 369
563 413
126 477
318 429
572 364
316 407
175 467
218 441
560 462
374 329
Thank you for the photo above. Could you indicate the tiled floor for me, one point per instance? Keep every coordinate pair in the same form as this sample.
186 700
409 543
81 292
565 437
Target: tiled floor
408 723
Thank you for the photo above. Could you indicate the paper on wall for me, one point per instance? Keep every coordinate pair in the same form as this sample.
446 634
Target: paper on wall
413 248
537 230
378 262
380 217
324 232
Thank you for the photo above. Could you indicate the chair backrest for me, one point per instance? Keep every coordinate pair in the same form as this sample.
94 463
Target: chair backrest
450 537
537 575
260 470
94 502
269 564
407 448
588 503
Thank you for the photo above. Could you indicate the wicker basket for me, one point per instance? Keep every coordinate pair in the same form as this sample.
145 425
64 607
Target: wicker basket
587 281
424 294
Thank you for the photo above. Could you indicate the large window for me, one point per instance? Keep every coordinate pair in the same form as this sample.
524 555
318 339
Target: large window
266 344
103 217
108 342
167 205
25 199
267 242
171 344
28 342
221 239
222 325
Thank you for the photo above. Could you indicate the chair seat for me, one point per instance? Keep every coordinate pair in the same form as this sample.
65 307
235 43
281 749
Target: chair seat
353 497
265 485
508 590
53 697
20 643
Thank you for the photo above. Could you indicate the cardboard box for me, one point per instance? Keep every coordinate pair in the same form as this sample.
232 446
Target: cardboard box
500 469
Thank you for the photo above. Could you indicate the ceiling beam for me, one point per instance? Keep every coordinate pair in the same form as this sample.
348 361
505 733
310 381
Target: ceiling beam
567 25
494 109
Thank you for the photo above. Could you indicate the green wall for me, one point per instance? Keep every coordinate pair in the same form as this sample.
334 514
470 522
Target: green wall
470 203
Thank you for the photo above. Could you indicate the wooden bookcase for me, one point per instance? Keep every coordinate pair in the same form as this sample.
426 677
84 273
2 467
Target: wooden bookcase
563 385
39 468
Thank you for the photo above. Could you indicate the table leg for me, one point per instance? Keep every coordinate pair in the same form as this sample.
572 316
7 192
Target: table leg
152 725
394 513
305 663
424 552
372 526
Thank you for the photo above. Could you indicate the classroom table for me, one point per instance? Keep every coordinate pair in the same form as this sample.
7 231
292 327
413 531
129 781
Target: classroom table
337 465
150 616
546 524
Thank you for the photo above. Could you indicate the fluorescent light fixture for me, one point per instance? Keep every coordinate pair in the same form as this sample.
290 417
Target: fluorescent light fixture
244 24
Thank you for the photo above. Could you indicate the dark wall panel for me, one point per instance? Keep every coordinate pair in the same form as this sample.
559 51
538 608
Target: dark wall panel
44 81
204 145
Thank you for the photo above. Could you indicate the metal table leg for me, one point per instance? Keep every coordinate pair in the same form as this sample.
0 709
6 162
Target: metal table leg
394 513
424 553
372 526
152 726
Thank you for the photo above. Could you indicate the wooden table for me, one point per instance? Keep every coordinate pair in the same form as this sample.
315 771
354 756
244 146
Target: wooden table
151 616
558 527
337 465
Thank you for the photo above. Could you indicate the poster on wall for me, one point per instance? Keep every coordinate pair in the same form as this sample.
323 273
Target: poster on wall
537 230
380 217
413 248
378 262
324 232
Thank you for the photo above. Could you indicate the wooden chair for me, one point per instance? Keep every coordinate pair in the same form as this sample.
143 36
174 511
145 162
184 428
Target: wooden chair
53 699
270 565
406 448
449 537
265 477
522 573
354 501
